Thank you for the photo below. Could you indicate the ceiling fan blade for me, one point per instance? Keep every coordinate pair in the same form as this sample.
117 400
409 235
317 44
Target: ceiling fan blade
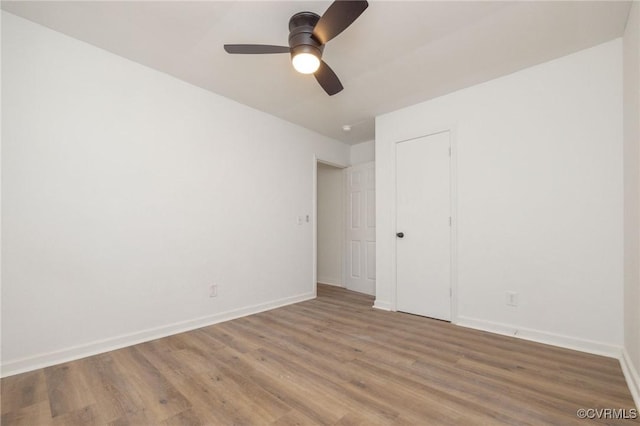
328 79
337 18
255 48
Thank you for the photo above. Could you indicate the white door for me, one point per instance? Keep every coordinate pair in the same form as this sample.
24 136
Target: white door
423 226
360 273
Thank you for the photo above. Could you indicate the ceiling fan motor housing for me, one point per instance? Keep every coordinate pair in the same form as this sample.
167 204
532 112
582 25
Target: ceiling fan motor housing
301 38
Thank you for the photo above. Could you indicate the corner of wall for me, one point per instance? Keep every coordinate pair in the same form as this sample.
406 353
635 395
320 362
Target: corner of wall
632 377
630 360
382 305
362 153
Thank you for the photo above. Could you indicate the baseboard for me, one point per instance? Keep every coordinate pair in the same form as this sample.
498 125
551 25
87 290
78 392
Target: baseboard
568 342
329 282
23 365
383 306
632 377
371 291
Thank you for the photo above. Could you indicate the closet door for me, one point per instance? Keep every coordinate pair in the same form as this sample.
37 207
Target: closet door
423 226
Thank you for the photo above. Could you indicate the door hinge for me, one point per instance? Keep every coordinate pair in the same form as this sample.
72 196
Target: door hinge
449 151
450 292
449 220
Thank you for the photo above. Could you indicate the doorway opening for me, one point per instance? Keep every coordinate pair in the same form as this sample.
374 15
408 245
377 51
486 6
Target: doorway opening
330 224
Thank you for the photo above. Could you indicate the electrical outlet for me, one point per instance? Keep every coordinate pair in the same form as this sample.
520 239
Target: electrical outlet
512 298
213 290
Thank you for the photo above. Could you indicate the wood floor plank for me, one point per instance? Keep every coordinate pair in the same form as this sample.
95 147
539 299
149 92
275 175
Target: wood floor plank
186 418
209 401
87 416
295 418
160 398
115 397
35 414
67 388
335 386
23 390
137 418
293 354
302 393
329 361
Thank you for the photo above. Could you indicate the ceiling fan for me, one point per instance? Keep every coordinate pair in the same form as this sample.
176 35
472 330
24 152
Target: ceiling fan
308 34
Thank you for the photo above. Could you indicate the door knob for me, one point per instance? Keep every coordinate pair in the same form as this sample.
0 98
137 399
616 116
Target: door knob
400 235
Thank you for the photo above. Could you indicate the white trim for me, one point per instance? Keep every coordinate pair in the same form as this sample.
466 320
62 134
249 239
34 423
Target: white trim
492 327
100 346
631 374
366 165
329 282
568 342
394 226
314 215
361 289
453 193
383 306
314 232
343 235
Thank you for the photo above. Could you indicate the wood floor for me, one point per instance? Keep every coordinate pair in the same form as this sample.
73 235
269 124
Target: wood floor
332 360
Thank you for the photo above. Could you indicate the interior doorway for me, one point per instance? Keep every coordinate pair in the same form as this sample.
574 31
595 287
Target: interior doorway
330 224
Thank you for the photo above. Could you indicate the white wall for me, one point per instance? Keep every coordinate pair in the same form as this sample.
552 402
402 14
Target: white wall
363 152
539 198
330 225
631 200
126 193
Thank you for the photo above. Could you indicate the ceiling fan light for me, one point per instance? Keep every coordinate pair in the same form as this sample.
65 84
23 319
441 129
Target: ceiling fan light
306 63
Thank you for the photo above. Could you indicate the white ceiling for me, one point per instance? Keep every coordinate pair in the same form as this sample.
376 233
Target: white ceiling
396 54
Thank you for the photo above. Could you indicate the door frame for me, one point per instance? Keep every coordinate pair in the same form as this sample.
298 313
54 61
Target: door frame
453 188
314 218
